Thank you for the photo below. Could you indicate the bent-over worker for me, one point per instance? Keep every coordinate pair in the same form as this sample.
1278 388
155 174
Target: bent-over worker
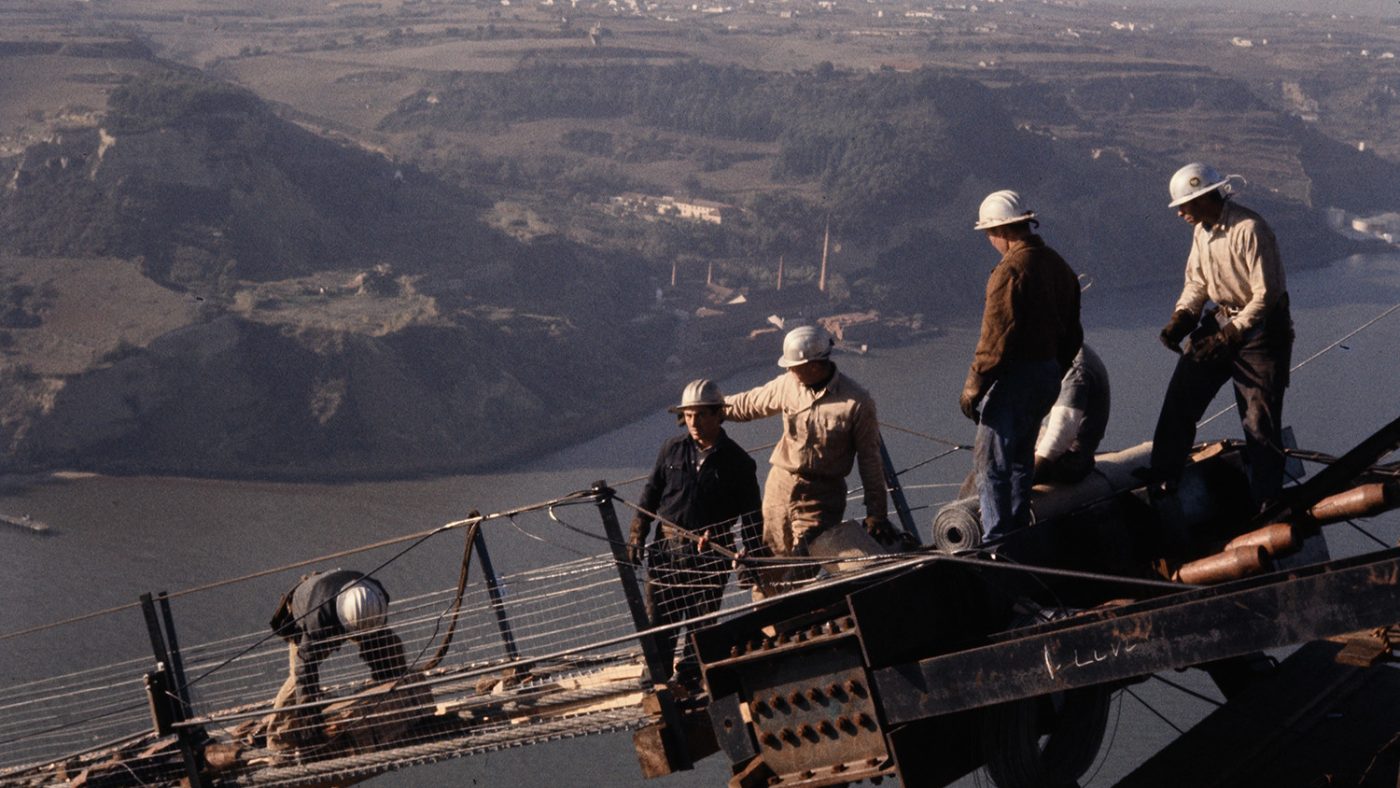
316 617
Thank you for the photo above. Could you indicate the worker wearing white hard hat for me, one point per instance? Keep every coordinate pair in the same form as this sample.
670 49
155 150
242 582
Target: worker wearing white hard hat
1030 335
829 426
315 618
703 492
1234 310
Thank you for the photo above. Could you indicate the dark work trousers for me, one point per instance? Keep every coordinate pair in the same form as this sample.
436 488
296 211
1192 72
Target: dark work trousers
682 583
1260 372
1004 454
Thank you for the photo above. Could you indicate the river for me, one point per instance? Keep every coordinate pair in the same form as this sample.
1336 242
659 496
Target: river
115 538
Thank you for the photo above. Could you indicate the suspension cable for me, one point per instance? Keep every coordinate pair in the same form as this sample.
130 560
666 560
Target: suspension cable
1311 358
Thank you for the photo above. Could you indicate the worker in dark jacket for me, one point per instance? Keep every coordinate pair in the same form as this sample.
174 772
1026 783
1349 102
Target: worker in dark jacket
1030 335
315 618
1234 264
703 485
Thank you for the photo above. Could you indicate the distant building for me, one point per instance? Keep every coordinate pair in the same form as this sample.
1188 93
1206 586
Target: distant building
694 210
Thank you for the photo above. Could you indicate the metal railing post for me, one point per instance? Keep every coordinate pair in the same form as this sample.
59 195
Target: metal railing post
166 686
901 504
657 664
630 586
493 589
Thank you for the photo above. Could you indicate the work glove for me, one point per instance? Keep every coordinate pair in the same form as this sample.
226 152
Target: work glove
1177 329
637 540
973 389
1219 346
881 530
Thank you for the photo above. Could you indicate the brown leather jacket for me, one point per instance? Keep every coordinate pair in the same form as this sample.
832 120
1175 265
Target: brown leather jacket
1032 310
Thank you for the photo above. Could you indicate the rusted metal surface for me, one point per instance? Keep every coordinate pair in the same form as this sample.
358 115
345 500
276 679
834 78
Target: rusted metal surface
1277 539
1363 501
1336 477
1170 632
805 708
1232 563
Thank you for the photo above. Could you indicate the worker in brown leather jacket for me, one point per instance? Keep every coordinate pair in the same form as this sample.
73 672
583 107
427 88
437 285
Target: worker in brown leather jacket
1030 335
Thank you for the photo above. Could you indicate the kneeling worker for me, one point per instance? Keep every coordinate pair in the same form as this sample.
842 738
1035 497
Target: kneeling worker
315 618
1064 452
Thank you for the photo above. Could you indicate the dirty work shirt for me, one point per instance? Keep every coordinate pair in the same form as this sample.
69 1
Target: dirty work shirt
1031 311
1077 421
1236 264
826 431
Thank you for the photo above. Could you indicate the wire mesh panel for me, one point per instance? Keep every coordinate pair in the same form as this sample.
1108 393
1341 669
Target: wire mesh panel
552 654
542 653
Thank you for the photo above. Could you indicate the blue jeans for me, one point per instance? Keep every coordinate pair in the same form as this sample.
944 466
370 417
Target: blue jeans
1004 454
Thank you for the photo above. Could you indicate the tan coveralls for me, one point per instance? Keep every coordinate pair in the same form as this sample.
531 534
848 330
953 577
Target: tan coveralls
825 432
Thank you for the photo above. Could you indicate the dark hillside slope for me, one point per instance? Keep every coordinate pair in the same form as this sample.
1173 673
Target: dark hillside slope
347 316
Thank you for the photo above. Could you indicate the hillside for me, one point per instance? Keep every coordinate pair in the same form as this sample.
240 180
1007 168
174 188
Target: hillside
366 241
276 304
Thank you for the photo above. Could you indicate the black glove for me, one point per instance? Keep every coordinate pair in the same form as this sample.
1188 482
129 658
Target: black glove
637 540
1176 330
881 530
973 389
1218 346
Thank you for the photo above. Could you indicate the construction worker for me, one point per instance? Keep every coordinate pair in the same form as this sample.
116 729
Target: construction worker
1064 452
1030 335
829 424
315 618
1247 336
703 485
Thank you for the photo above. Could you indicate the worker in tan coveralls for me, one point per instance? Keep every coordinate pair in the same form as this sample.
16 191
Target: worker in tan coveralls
829 425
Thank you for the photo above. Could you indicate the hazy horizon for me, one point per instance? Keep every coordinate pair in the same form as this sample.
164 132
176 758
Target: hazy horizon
1385 9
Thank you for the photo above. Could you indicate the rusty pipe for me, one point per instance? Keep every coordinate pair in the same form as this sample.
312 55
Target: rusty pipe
1226 565
1362 501
1277 539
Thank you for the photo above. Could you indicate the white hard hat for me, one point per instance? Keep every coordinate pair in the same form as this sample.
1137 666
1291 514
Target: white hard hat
803 344
1192 181
1003 207
362 607
699 394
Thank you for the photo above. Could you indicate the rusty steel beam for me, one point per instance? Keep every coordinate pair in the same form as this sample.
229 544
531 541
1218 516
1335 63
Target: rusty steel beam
1335 478
1171 632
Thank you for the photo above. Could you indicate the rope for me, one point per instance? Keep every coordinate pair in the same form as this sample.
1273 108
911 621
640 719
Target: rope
952 444
456 603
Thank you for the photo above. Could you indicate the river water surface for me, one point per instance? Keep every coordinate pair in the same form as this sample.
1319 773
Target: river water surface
115 538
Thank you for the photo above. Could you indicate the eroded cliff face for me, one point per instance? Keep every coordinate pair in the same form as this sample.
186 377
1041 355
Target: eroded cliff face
233 397
194 286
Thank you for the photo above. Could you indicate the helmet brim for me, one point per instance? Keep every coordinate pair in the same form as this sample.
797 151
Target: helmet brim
987 224
679 409
1198 193
787 364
